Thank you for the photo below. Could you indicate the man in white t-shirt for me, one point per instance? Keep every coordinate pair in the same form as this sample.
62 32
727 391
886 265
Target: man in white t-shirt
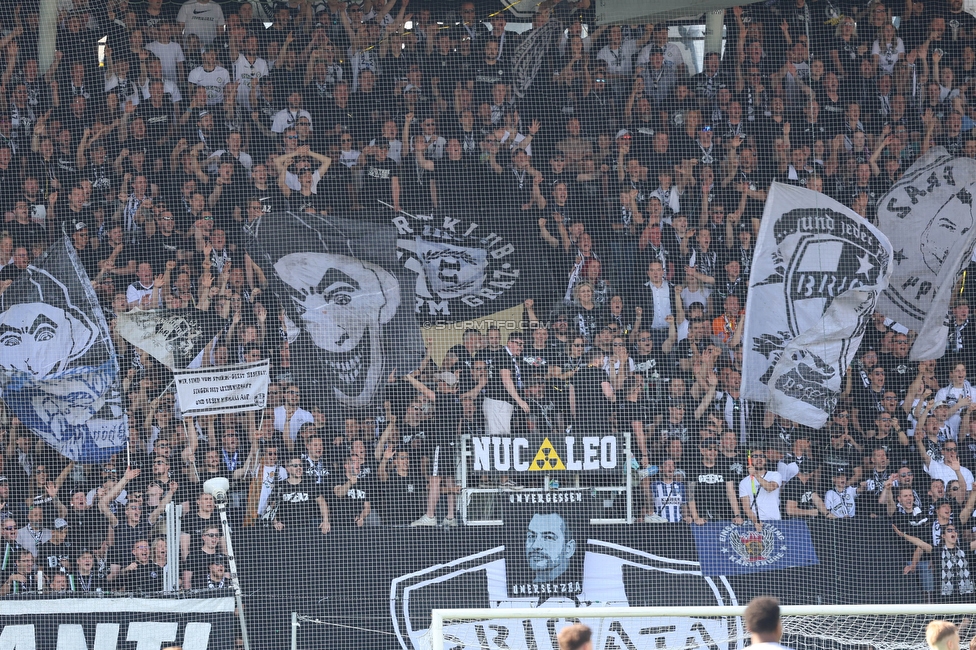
759 491
169 53
247 68
211 76
154 70
203 18
290 417
764 624
287 117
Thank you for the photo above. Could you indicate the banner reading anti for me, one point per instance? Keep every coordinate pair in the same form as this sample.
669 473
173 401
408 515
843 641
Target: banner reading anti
174 337
928 216
553 455
223 389
727 549
347 304
58 369
816 275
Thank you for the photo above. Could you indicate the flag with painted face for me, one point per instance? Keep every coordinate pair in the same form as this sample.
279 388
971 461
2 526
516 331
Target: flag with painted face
58 371
347 305
928 216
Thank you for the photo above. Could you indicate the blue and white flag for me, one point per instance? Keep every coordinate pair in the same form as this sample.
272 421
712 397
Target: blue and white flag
727 549
928 216
58 369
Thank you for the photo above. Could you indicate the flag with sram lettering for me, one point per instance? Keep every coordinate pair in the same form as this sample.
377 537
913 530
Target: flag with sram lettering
928 217
816 275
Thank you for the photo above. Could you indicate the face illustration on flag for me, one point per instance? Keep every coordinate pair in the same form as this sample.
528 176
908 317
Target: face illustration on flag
57 365
928 216
944 230
41 339
342 304
450 271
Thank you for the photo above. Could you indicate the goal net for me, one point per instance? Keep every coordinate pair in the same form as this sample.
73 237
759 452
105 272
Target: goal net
679 628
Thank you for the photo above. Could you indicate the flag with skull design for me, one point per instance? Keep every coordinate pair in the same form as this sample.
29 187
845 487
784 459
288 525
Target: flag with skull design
58 372
346 306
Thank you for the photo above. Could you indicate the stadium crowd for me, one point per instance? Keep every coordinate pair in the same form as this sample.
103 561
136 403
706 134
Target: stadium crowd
636 174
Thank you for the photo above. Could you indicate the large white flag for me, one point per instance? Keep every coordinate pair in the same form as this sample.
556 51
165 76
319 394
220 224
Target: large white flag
816 275
928 216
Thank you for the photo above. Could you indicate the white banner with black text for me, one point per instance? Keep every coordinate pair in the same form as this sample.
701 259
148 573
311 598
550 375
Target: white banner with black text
222 389
928 216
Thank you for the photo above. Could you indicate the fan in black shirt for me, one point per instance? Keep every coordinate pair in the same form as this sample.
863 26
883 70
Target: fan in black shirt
713 488
197 563
300 501
402 488
593 395
352 493
142 575
85 577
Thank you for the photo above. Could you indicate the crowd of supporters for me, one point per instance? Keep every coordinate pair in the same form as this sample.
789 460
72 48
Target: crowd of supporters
635 171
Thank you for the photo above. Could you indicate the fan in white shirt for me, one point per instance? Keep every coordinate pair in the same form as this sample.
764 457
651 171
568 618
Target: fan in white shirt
247 68
289 116
203 18
211 76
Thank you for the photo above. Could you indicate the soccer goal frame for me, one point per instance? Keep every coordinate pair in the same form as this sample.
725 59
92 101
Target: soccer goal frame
926 611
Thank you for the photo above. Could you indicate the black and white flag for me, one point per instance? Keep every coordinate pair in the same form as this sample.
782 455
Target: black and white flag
58 369
174 337
348 305
816 276
928 216
465 269
532 53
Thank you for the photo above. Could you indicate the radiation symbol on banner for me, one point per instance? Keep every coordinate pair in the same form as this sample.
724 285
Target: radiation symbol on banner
546 459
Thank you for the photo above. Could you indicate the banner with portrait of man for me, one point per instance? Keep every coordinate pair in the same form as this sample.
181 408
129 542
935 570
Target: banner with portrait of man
58 369
348 306
928 216
541 559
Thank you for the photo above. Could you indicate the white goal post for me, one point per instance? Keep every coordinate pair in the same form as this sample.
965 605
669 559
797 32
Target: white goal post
882 627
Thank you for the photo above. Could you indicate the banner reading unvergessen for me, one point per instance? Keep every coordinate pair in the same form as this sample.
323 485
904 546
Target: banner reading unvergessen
224 389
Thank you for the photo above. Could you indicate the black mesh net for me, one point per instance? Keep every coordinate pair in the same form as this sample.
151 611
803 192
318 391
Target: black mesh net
357 310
